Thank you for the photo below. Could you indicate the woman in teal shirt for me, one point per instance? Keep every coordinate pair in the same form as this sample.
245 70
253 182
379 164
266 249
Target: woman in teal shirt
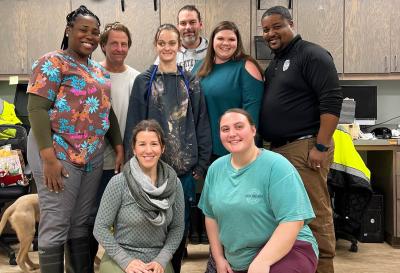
229 79
256 207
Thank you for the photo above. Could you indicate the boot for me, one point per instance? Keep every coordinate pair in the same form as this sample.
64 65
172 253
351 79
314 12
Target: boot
51 259
77 255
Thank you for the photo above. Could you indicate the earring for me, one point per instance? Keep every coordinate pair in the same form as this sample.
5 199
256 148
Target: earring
66 35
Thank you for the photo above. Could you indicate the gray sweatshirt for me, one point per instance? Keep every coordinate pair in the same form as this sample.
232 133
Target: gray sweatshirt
133 236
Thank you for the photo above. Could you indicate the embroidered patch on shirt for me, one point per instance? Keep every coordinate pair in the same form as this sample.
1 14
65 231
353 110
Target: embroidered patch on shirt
286 65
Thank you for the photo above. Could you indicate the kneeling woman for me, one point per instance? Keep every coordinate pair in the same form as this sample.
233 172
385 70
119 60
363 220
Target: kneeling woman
256 207
140 220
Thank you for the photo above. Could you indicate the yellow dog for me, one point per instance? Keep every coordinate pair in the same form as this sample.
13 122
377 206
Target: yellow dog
23 215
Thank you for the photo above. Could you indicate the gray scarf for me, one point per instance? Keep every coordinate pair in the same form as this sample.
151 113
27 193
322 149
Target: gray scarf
153 200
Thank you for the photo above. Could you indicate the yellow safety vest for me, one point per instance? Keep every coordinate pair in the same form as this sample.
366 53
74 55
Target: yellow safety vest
346 158
8 117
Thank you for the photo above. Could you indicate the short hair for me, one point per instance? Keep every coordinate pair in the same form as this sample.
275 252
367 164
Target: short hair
282 11
170 27
239 111
190 8
116 26
148 125
71 17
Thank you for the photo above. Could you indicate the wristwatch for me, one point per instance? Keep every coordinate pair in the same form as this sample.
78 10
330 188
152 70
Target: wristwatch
321 147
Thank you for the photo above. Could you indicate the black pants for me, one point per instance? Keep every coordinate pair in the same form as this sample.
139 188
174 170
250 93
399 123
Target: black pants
178 255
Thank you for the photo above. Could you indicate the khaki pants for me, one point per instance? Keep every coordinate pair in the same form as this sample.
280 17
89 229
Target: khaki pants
108 265
315 183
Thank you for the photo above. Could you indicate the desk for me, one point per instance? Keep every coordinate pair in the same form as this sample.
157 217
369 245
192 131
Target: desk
383 159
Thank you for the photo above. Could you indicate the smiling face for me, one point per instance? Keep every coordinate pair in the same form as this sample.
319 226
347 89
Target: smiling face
236 132
167 45
277 31
189 27
116 48
147 149
83 37
225 45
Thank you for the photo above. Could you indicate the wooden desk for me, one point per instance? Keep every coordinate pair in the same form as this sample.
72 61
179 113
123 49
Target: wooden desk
383 159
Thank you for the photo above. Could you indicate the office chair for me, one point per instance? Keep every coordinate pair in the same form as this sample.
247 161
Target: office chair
349 187
12 193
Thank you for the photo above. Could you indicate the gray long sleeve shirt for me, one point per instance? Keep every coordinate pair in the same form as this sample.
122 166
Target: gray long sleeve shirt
133 236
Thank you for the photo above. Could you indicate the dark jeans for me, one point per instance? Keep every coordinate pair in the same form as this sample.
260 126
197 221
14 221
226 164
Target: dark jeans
189 191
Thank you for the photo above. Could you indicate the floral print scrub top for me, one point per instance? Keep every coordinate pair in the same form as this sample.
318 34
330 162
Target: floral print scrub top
81 104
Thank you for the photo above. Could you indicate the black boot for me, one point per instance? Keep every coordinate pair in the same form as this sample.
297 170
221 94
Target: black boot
77 255
51 259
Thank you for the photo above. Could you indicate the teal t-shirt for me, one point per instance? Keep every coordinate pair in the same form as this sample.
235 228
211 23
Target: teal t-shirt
248 204
229 85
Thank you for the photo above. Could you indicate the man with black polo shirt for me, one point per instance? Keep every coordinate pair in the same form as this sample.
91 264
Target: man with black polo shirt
300 112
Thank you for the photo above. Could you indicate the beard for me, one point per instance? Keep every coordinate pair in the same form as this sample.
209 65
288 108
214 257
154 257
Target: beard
189 40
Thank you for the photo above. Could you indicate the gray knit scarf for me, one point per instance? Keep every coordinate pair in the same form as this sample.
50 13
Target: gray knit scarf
153 200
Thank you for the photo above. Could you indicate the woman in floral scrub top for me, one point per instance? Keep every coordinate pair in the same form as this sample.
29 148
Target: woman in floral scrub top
70 113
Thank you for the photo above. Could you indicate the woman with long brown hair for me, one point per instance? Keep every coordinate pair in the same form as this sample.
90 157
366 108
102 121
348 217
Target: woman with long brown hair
229 79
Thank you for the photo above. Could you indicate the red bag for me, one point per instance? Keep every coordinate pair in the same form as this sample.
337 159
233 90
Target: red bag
11 169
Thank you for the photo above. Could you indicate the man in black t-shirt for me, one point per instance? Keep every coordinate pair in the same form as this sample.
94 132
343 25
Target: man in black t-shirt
300 112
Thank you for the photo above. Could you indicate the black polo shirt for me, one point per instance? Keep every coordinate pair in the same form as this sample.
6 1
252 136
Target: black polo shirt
301 83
